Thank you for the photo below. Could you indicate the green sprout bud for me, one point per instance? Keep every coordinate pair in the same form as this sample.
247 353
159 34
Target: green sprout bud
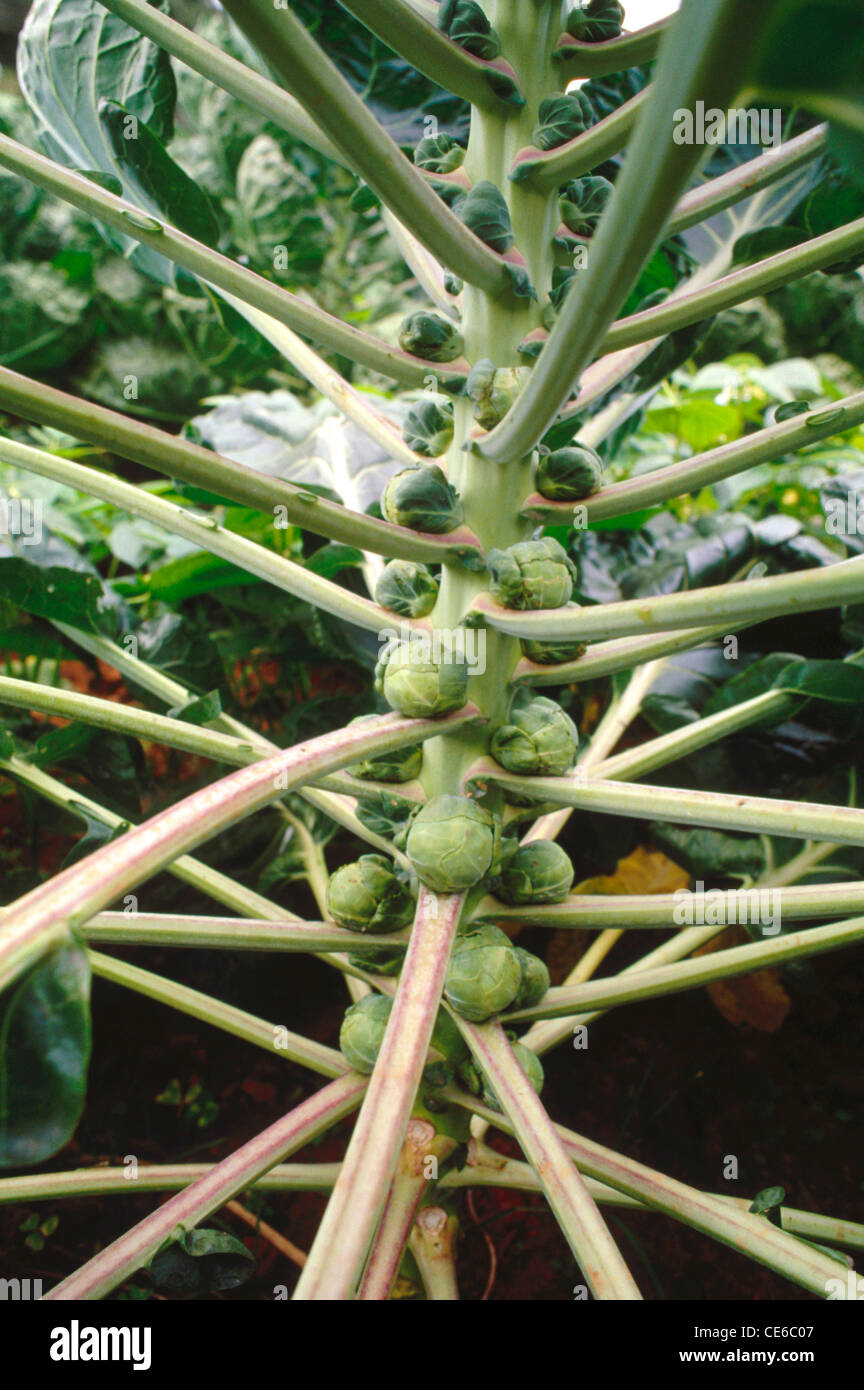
428 428
367 896
476 1080
485 213
561 118
484 976
362 1031
563 279
384 960
582 203
399 765
439 154
540 740
597 21
535 980
417 684
431 336
452 843
464 22
407 588
539 872
532 574
423 499
551 653
493 390
569 474
447 1039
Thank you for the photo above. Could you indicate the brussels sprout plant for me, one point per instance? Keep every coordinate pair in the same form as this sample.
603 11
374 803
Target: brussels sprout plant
521 408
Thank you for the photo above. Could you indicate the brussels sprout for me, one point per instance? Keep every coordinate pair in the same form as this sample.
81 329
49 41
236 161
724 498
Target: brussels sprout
561 118
452 283
384 960
423 499
539 872
417 685
464 22
582 202
407 588
493 390
400 765
551 653
477 1081
539 739
596 21
439 154
428 428
447 1039
485 213
367 896
431 336
484 976
532 574
452 843
563 279
362 1031
535 980
567 475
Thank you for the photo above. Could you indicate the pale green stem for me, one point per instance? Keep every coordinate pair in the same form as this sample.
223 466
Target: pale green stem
341 113
228 933
216 269
314 860
188 1208
432 1242
759 279
737 603
703 470
180 458
608 658
348 1225
162 1177
692 974
410 1182
423 265
704 60
273 1037
587 1234
203 530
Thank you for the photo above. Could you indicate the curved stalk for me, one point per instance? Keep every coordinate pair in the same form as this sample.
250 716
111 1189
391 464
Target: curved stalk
185 1210
703 470
546 170
607 658
175 457
347 1227
103 1181
422 44
203 530
749 602
614 55
320 87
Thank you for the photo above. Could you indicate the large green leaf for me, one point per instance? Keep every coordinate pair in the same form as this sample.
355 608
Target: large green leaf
103 101
44 1054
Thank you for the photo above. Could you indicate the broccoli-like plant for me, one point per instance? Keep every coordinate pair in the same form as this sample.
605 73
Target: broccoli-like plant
479 226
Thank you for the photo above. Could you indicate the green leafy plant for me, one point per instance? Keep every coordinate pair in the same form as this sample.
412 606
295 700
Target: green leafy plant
423 1046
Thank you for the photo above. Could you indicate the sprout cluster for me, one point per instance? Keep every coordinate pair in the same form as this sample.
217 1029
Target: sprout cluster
537 873
569 474
367 896
488 974
532 574
422 499
431 336
419 685
539 739
464 22
561 118
452 843
582 203
439 154
596 21
407 588
428 428
485 213
362 1031
493 390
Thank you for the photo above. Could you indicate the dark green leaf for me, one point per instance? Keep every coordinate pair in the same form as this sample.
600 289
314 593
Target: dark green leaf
203 1260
